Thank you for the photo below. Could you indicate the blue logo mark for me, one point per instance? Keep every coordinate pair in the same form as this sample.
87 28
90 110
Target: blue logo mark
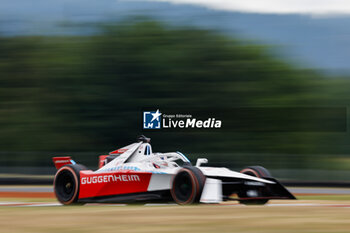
151 120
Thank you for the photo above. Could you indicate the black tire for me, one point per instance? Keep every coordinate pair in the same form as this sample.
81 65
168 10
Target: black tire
187 185
257 171
66 183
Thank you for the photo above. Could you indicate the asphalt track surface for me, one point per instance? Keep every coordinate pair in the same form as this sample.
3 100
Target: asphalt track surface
281 204
47 192
298 190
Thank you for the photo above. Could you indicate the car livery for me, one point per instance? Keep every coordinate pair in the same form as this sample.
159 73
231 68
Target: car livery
135 174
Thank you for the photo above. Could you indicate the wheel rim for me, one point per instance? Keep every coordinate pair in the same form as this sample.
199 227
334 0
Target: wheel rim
65 186
184 188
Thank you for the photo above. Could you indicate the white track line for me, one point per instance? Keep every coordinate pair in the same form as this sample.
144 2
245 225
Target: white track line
26 204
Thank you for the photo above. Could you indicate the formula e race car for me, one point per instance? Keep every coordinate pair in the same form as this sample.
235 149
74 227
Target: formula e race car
135 174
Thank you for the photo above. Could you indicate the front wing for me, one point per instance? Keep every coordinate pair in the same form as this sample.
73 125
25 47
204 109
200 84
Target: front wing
242 190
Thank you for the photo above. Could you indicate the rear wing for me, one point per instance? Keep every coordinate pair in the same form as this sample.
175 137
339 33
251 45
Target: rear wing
61 161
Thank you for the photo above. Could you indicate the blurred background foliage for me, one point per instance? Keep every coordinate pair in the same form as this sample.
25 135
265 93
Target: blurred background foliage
84 96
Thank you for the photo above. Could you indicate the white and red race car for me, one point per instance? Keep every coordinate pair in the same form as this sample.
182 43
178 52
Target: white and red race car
135 174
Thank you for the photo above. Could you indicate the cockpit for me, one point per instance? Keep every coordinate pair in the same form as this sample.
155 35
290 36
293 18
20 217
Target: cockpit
141 152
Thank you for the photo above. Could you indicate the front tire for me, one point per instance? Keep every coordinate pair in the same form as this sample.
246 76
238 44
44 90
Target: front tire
66 183
187 186
260 172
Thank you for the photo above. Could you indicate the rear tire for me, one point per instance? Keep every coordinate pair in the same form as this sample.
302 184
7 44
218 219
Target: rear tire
187 185
66 183
257 171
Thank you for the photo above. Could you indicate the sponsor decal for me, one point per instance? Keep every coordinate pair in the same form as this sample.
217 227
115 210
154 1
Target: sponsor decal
252 193
127 168
254 183
109 178
158 120
151 120
63 161
191 123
